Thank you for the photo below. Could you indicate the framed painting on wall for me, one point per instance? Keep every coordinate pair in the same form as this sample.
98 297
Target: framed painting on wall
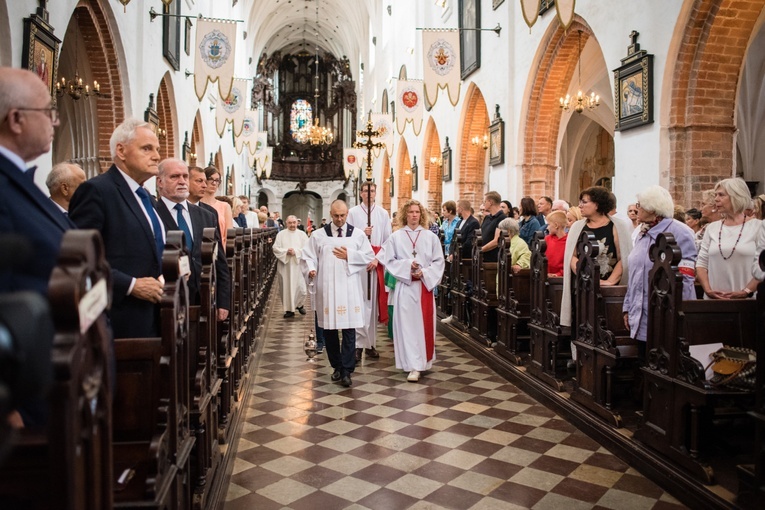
497 142
41 51
470 40
633 89
446 161
171 34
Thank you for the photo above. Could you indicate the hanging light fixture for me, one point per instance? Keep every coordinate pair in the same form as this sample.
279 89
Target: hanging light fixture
75 87
581 101
318 135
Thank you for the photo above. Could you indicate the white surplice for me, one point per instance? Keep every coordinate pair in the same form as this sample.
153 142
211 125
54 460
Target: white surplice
339 298
290 279
359 217
408 321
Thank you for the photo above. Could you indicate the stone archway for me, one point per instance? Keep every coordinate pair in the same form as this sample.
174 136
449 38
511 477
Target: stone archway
549 81
87 124
713 42
431 160
403 188
383 196
167 121
301 204
470 174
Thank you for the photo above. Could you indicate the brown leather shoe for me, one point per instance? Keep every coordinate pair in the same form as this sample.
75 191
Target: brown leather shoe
372 353
358 355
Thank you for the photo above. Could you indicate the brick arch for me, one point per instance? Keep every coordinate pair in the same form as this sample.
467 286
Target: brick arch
550 80
471 171
403 189
433 171
197 141
384 191
100 46
712 47
166 112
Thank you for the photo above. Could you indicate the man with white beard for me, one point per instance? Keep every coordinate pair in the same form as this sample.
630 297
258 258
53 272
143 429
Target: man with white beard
288 248
375 222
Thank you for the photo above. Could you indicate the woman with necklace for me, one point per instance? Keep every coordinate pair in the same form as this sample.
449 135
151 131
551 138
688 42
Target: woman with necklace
724 266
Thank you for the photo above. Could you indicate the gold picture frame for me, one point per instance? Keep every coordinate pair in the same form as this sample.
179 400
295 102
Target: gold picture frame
41 51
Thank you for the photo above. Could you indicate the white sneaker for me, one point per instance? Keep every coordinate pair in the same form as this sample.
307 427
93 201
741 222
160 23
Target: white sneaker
413 376
447 320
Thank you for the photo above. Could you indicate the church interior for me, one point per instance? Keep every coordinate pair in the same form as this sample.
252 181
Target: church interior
298 103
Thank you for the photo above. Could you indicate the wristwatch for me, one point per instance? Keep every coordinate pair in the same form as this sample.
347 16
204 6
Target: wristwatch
749 292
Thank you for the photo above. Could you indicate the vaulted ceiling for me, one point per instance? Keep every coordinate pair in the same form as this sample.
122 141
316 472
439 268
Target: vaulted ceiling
291 25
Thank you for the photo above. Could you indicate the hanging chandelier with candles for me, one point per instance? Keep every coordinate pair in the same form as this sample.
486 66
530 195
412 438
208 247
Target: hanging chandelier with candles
581 101
76 88
316 134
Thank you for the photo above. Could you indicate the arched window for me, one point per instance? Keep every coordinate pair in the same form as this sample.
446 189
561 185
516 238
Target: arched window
301 119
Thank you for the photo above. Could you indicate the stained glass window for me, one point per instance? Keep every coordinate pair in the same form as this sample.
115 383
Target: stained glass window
301 119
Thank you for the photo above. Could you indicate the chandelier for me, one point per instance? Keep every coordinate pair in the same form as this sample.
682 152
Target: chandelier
318 135
581 101
75 88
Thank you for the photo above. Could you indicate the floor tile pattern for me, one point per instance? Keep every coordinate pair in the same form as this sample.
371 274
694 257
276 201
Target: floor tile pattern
461 438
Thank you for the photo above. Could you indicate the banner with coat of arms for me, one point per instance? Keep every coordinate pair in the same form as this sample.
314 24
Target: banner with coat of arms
214 59
264 161
249 134
409 106
441 51
352 159
232 109
383 122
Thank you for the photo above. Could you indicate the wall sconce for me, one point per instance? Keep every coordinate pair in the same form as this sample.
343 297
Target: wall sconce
161 133
480 141
437 161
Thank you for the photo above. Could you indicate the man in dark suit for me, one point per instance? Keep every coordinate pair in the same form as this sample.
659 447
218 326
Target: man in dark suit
116 204
26 131
466 229
173 187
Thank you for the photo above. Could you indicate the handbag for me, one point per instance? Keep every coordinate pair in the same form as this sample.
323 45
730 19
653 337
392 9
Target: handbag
733 367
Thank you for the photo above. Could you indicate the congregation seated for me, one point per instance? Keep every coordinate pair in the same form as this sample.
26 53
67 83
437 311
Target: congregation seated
556 242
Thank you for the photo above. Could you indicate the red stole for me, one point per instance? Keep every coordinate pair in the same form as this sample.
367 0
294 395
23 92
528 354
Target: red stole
426 305
382 292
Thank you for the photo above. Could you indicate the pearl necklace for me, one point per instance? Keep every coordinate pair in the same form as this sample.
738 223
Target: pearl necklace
719 240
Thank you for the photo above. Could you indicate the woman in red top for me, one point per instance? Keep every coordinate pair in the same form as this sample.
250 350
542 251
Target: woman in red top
556 242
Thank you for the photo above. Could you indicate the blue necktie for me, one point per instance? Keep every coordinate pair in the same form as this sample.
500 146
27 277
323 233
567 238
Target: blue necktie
184 226
160 243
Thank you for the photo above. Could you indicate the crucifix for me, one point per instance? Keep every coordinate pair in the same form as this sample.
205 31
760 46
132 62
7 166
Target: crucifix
369 145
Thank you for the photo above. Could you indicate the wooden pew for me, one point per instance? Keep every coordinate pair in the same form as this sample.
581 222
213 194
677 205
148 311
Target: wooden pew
69 464
462 287
514 307
606 355
152 438
549 341
751 476
484 298
678 405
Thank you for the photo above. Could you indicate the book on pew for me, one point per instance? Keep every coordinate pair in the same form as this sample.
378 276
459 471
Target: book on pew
703 354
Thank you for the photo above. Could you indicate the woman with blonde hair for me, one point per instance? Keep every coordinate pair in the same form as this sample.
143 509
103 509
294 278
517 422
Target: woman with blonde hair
415 259
728 246
573 215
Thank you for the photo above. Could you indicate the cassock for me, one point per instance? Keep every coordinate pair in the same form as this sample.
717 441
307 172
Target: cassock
339 297
376 308
291 281
414 306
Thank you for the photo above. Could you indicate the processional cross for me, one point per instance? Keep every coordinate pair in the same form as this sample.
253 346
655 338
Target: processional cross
369 145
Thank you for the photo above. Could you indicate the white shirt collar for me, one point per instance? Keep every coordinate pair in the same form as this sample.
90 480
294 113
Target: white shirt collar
14 158
171 205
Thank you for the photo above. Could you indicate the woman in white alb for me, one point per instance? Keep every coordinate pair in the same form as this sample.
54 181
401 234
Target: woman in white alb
413 255
724 265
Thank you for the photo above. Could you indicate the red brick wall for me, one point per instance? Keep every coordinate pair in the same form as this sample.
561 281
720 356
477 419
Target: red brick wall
470 169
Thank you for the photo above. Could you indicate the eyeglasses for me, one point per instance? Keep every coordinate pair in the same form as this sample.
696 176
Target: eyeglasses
214 181
632 211
637 204
51 111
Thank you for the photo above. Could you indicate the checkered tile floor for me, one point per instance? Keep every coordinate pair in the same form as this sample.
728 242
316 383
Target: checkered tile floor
461 438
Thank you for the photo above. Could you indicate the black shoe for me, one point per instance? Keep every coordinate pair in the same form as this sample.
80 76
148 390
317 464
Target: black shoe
301 310
319 349
289 314
359 352
346 381
336 376
372 353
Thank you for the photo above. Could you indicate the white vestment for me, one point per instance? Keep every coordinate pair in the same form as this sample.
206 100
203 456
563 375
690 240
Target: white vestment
408 317
366 336
338 297
291 281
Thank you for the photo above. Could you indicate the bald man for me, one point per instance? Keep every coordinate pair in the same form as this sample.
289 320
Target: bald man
62 182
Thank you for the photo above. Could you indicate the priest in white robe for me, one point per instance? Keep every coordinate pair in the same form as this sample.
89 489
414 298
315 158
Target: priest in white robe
336 258
288 248
374 221
413 255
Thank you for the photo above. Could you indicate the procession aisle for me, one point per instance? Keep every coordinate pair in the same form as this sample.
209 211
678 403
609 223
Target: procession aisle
461 438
